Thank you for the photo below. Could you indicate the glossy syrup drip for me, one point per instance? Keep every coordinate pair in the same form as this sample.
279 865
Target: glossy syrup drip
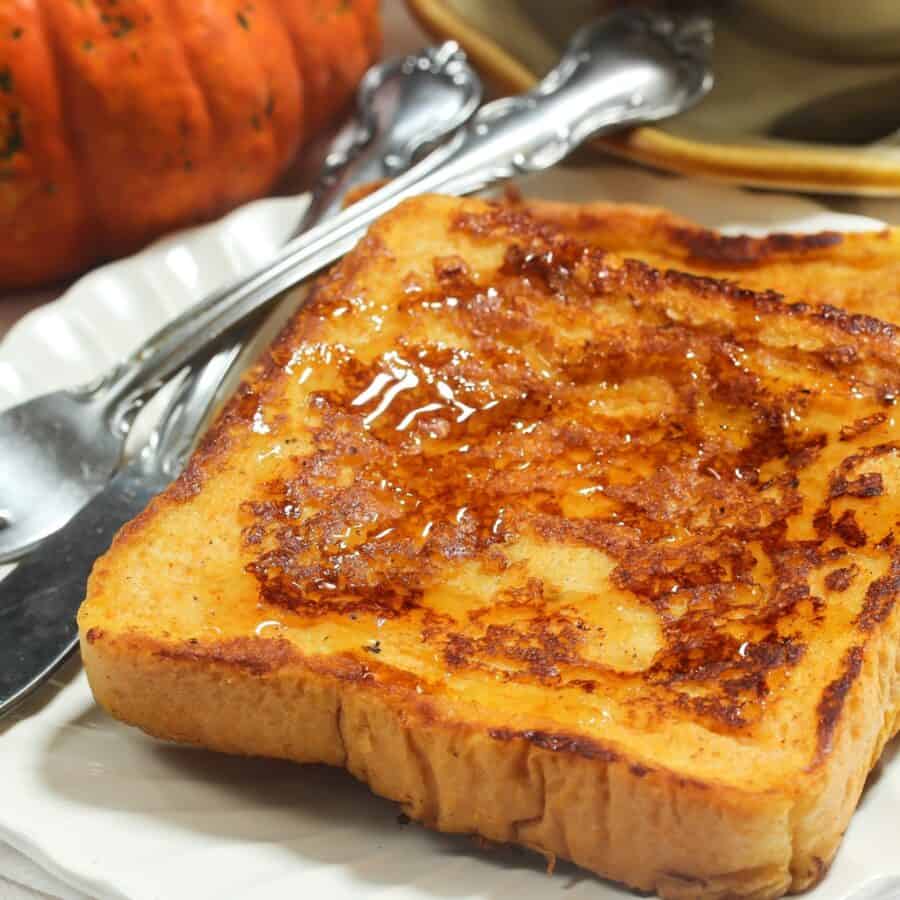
568 400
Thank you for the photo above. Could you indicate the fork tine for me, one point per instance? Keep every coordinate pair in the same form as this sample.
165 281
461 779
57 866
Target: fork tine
190 405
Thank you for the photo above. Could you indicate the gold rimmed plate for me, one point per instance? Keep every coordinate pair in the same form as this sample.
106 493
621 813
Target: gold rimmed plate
780 115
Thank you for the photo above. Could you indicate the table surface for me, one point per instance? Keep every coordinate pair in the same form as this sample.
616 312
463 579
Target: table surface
19 878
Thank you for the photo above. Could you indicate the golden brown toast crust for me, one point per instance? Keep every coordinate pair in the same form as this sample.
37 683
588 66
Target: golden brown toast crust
499 507
856 272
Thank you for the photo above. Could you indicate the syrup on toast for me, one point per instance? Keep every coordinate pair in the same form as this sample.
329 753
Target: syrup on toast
544 544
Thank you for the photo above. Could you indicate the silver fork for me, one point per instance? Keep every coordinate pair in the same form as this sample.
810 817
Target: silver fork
58 450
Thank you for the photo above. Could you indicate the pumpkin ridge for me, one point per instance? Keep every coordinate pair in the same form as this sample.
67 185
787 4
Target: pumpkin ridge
304 85
72 140
300 134
215 133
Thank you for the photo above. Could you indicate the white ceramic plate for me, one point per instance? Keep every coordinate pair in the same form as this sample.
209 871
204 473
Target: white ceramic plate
115 814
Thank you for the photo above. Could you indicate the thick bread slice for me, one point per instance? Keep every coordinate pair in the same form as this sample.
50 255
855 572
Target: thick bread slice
544 545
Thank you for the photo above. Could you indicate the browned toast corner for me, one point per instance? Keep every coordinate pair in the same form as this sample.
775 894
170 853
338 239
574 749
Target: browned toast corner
546 545
856 272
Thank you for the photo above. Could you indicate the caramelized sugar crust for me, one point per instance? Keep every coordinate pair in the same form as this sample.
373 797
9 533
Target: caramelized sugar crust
493 465
716 453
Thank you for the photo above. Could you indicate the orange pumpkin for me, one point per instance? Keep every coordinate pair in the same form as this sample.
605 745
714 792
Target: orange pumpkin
122 119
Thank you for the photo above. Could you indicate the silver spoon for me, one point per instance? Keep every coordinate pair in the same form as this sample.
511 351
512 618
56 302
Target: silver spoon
58 450
632 67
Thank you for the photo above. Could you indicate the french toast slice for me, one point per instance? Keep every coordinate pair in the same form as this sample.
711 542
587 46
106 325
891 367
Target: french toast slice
545 545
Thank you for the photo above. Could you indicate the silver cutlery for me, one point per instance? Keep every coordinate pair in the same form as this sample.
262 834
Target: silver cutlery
39 599
58 450
631 67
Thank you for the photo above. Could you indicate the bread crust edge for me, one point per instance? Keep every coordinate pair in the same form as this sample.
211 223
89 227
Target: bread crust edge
651 828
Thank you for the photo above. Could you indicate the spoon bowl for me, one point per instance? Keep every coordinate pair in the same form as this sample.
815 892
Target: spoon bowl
55 459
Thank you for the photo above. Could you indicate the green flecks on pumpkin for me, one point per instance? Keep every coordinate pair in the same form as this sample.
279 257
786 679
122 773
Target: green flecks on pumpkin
14 141
6 80
270 106
50 188
243 21
17 32
119 25
256 122
87 46
188 165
